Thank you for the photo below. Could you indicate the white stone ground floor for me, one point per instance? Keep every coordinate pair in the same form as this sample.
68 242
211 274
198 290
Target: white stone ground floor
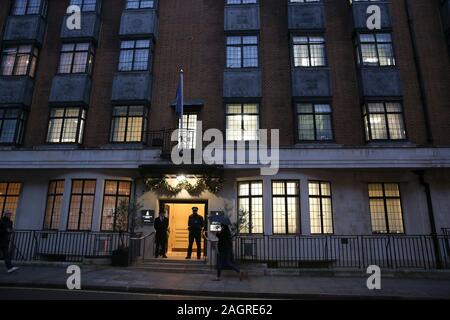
348 174
349 196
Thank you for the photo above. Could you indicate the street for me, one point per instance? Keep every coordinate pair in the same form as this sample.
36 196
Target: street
9 293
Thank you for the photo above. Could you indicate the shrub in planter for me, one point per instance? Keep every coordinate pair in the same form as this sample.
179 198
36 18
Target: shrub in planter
125 218
120 257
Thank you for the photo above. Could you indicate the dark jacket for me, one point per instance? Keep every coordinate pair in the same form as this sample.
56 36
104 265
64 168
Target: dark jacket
6 230
225 244
161 226
195 223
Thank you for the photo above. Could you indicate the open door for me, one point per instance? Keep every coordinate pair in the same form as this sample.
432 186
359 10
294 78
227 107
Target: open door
178 225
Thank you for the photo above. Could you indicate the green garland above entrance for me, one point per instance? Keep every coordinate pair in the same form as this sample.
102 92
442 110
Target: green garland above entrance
160 184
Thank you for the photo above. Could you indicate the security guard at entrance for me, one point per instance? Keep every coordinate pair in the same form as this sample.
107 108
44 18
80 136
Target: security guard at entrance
195 226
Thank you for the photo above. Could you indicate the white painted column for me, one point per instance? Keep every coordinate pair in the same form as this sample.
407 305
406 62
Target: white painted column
65 205
267 205
98 204
304 207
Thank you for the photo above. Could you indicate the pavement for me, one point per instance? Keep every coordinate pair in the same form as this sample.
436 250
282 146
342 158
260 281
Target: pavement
136 280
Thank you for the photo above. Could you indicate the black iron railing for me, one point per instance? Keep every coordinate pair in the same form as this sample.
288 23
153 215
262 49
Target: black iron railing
27 245
163 139
355 252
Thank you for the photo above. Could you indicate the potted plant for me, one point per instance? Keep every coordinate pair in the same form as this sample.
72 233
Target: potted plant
125 219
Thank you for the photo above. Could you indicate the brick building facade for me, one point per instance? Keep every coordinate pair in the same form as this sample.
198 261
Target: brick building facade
363 114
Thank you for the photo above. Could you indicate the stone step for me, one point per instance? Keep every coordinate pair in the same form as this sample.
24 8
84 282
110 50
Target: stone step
176 261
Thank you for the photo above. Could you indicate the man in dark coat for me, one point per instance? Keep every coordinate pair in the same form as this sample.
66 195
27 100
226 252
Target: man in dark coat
6 230
161 227
195 226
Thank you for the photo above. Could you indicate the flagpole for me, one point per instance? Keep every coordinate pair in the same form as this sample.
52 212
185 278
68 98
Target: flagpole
182 105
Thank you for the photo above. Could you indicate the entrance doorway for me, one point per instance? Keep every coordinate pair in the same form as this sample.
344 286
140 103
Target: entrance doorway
178 212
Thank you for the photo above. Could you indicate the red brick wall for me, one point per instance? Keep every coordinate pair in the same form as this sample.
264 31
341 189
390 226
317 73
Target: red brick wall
191 36
4 8
46 69
347 114
435 64
276 107
106 60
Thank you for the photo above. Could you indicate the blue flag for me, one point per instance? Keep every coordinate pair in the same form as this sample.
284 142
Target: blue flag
180 99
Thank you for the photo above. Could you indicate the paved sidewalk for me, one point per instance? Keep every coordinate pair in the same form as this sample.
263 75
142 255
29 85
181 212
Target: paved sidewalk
302 287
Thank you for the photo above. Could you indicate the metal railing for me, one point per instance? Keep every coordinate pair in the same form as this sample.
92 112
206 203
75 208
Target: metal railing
27 245
353 252
162 139
142 248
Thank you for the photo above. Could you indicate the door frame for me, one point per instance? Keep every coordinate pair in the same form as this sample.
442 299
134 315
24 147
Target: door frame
163 201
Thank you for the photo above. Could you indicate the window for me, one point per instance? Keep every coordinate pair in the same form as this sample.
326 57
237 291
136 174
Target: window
384 121
375 49
115 194
285 206
9 197
385 208
128 123
241 1
250 205
309 51
28 7
19 61
85 5
242 122
66 125
76 58
140 4
320 211
242 52
187 135
314 122
12 124
134 55
54 205
81 205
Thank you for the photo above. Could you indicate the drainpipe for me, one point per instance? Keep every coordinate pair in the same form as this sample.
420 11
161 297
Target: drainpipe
426 187
423 98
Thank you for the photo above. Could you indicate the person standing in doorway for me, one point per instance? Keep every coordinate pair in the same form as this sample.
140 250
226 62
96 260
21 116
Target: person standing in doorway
195 227
6 231
161 227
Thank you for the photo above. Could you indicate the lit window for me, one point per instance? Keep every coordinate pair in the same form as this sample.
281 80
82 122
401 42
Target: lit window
309 51
116 194
242 52
9 197
250 206
76 58
19 61
54 205
384 121
140 4
81 205
320 210
128 123
12 124
285 207
375 49
66 125
187 135
85 5
134 55
385 208
242 122
314 122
